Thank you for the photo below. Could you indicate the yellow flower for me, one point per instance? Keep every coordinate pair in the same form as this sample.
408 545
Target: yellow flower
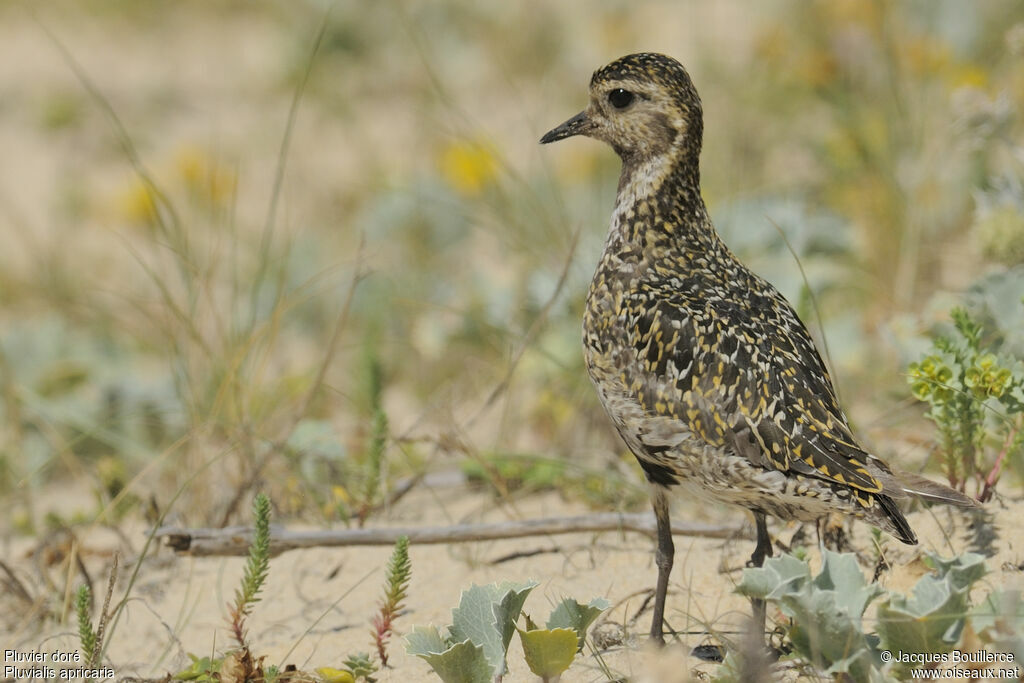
925 56
969 76
191 163
135 203
204 175
341 494
862 12
469 165
818 68
772 44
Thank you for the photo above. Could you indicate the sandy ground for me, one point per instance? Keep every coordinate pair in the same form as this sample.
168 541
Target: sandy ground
317 603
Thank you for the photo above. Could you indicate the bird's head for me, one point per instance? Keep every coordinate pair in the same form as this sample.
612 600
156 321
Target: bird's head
643 105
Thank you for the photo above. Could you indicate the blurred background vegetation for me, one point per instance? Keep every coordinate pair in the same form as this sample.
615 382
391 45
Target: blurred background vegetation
315 248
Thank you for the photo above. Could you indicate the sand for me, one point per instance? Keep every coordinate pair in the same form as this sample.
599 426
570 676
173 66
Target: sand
317 604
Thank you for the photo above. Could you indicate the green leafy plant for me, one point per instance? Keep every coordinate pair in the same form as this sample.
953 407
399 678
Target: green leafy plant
86 634
976 400
256 569
997 621
92 638
550 651
396 587
202 669
360 665
473 648
827 611
374 462
504 472
933 617
240 663
377 440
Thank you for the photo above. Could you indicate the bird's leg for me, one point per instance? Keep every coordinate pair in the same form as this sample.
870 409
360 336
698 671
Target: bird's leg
764 541
663 558
761 551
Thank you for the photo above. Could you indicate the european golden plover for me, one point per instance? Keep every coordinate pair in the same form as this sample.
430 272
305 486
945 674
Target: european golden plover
705 369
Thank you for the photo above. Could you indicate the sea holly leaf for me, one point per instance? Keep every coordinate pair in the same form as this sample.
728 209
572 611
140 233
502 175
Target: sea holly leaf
826 633
859 665
779 576
730 670
841 573
997 621
549 652
425 640
1000 608
462 662
928 621
531 625
486 615
757 582
961 571
571 614
933 617
826 609
475 646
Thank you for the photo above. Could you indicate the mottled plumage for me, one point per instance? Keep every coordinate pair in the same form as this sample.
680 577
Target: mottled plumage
705 369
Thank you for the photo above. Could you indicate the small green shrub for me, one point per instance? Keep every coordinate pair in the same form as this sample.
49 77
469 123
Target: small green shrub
241 664
473 648
975 396
86 633
396 588
256 569
504 473
827 610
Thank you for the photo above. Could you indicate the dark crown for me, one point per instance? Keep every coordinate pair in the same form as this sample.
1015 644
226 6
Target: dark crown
654 68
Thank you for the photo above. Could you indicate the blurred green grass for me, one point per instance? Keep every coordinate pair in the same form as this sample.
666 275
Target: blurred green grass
179 319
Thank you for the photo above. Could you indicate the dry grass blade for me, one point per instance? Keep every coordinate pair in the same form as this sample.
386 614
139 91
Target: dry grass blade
282 158
101 628
123 602
531 333
13 584
332 345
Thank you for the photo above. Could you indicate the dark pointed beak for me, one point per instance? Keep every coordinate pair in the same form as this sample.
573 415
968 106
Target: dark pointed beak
577 125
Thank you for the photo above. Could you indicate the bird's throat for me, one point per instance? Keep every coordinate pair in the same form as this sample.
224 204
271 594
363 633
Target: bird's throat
659 200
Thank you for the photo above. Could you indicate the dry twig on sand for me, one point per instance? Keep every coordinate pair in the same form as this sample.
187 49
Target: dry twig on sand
235 540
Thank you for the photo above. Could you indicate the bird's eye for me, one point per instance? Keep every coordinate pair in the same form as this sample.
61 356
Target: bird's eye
620 98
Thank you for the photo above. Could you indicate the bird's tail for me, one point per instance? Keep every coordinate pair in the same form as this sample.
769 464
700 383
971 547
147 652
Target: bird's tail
895 521
902 484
